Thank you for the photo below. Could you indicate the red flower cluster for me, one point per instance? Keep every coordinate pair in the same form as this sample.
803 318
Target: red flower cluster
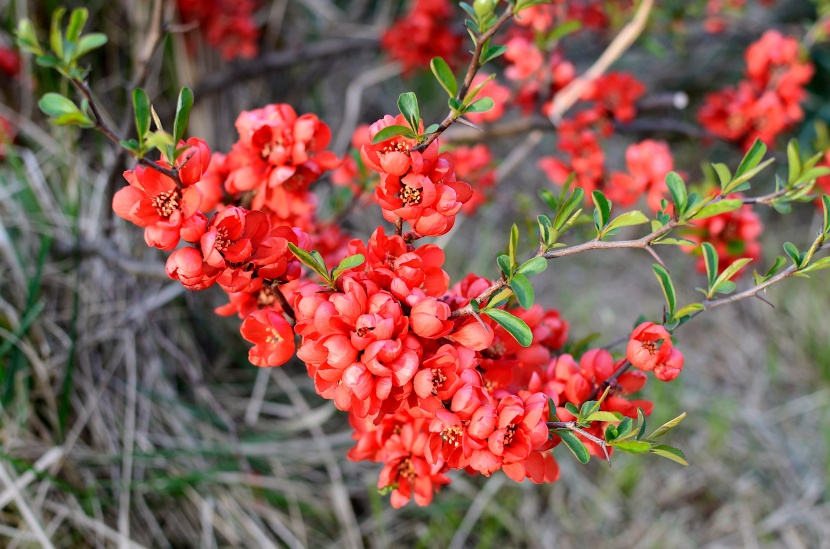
226 24
648 163
767 101
422 34
418 187
9 62
733 234
611 97
650 349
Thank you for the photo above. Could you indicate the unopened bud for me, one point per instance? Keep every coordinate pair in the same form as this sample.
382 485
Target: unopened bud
484 8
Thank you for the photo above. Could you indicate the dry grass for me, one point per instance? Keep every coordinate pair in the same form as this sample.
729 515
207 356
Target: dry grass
131 417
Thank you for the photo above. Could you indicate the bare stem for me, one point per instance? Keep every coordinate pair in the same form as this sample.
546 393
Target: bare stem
286 307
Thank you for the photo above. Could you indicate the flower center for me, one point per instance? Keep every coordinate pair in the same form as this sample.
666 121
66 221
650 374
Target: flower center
407 470
265 297
222 241
409 196
438 380
166 203
452 435
273 338
508 436
363 331
650 346
398 146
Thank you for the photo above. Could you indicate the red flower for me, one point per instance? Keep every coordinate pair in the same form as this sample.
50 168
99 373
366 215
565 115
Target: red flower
495 91
194 161
188 267
671 368
153 201
272 337
422 34
648 163
644 350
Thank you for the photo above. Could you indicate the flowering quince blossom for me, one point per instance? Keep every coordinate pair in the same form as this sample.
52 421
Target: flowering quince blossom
153 201
648 163
649 346
423 33
768 101
272 336
226 24
495 91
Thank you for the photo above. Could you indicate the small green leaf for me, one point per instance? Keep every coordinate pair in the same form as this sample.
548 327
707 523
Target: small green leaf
670 453
725 287
348 263
677 189
493 52
825 206
729 272
793 160
141 106
513 245
310 261
55 34
523 289
54 104
792 252
515 326
668 288
183 107
77 20
504 264
27 37
740 182
719 207
710 259
563 30
482 105
499 299
73 119
602 213
666 427
545 231
392 131
723 174
633 446
158 140
611 417
823 263
628 219
408 105
533 266
432 128
89 42
574 445
752 158
443 73
687 310
567 207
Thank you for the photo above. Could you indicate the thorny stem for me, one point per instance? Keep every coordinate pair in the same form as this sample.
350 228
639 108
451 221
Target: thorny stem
475 65
105 129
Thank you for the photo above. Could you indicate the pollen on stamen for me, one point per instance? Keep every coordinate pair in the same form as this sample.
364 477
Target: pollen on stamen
166 203
273 338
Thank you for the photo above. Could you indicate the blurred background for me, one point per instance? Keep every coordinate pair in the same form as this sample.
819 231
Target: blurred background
131 417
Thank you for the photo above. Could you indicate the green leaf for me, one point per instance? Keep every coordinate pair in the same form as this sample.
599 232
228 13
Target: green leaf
183 107
687 310
563 30
55 34
825 206
751 159
310 261
574 445
633 446
432 128
27 37
725 287
492 53
76 24
503 261
793 160
523 289
729 272
710 259
602 213
740 182
533 266
514 326
628 219
443 73
719 207
670 453
54 104
158 140
545 231
482 105
611 417
73 119
823 263
792 252
348 263
668 288
666 427
677 189
499 299
88 43
723 174
408 105
141 106
513 245
392 131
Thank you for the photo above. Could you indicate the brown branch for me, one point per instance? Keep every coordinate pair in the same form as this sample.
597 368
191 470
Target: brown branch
286 307
105 129
475 65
